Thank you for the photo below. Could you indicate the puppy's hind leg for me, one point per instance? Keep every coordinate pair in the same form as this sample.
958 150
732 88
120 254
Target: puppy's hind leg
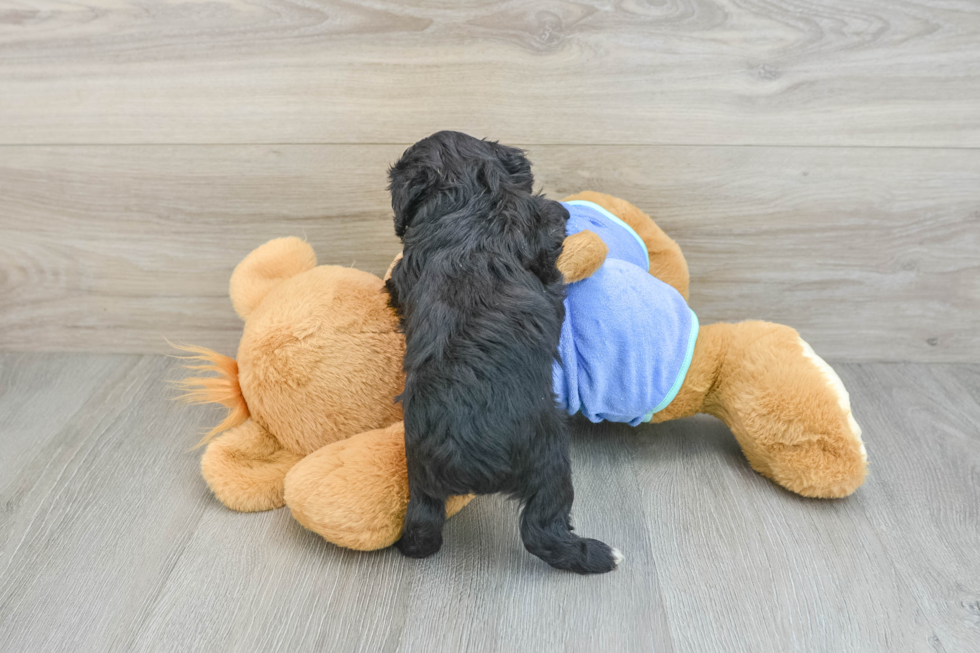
424 519
545 520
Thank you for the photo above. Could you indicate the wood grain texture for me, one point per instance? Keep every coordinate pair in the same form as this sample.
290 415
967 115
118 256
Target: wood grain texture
486 593
750 567
871 254
110 541
90 525
837 72
928 464
26 422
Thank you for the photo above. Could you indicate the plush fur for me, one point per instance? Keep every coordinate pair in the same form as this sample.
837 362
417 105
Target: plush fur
246 468
265 268
221 389
480 299
344 476
582 254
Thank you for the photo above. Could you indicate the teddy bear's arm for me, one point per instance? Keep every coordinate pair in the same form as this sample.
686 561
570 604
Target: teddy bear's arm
582 254
245 468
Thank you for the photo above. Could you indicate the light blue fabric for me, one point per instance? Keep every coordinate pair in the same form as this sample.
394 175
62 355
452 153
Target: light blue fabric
628 338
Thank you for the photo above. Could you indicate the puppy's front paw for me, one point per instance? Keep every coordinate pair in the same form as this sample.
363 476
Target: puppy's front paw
419 544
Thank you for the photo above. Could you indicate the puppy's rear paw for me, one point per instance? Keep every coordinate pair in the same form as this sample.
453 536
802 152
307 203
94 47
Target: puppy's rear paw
418 544
618 556
596 557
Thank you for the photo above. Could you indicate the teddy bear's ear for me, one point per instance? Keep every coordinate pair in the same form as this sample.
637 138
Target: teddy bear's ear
265 268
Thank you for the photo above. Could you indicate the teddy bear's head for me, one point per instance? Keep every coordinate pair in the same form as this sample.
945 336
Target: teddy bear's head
320 358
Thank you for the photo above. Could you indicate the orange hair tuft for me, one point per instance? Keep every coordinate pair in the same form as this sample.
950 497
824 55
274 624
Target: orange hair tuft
222 389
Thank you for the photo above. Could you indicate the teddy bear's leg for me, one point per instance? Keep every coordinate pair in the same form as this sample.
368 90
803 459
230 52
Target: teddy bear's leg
667 263
788 410
245 468
354 492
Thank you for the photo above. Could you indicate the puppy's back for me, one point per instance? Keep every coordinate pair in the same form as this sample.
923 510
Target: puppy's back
480 340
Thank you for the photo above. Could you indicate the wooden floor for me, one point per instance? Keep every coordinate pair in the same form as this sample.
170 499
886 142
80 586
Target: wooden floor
110 540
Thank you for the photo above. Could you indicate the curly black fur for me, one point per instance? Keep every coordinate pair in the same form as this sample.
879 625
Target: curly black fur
481 306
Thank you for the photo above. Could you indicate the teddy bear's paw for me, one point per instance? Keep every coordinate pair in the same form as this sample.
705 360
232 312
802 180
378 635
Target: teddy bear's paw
820 468
790 412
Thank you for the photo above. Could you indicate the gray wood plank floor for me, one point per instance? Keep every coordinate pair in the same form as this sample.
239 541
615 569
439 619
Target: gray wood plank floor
110 541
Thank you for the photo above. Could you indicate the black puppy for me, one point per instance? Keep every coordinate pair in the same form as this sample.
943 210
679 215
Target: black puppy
480 301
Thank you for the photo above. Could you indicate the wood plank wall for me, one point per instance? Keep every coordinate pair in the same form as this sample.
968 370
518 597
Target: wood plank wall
818 162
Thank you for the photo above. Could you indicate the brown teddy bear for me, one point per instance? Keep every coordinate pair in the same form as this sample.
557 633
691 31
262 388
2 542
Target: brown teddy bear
313 424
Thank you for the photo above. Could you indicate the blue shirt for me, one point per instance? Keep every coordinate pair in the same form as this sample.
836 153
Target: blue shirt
628 338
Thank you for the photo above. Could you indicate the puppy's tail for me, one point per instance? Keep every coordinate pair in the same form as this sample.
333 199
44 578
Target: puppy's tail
221 389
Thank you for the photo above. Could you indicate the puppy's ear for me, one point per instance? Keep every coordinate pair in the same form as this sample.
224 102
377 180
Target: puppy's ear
396 284
545 243
409 187
516 164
